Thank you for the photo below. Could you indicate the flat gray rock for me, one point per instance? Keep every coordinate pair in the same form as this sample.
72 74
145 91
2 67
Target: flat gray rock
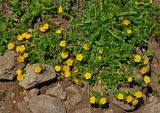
73 95
83 110
24 107
46 104
57 91
32 79
122 105
153 106
9 65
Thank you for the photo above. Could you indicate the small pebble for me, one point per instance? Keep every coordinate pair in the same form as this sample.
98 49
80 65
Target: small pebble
12 95
14 102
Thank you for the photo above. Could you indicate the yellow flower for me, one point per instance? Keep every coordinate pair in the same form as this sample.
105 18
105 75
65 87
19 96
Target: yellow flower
143 70
150 1
25 55
146 79
99 57
86 47
79 57
129 99
130 79
24 34
19 72
145 62
20 78
126 22
10 46
19 37
129 31
46 26
18 49
69 62
28 36
42 29
135 102
58 31
62 43
57 68
20 59
67 74
64 54
137 58
37 69
66 68
22 48
92 100
60 9
87 75
120 96
77 81
103 100
138 94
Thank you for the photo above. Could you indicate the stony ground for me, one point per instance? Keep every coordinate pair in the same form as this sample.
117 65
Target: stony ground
44 94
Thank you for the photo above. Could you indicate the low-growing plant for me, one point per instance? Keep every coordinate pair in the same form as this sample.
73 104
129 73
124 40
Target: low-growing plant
98 47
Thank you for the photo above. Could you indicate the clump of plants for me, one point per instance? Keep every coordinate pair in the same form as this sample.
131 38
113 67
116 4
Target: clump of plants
98 48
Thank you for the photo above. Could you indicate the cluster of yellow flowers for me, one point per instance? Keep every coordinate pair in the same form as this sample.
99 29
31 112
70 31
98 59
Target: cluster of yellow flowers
102 100
20 48
131 99
143 70
19 75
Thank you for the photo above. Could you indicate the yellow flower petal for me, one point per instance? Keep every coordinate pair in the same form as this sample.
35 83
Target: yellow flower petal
103 100
146 79
138 94
57 68
10 46
120 96
87 75
60 9
58 31
92 100
20 78
137 58
79 57
37 69
64 54
62 43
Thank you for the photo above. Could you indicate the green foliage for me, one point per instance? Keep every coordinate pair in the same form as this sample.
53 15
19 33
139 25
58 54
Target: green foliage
100 25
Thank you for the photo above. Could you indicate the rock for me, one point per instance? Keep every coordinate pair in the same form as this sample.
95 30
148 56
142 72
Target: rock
57 91
46 104
12 95
152 98
74 97
83 110
154 47
9 65
34 92
24 107
122 105
109 111
26 98
33 79
153 107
